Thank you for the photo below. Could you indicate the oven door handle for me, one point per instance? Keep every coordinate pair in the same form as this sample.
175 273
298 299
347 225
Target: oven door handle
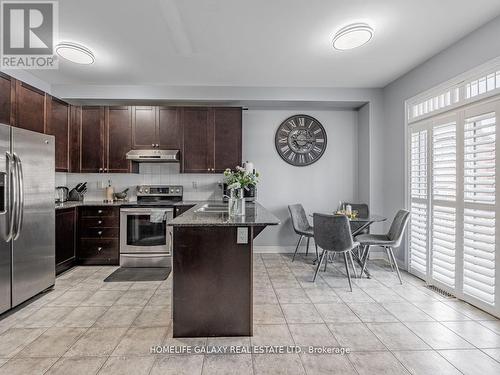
142 211
148 255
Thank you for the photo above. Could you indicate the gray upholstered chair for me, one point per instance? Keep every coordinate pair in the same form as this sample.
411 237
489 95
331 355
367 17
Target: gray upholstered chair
301 226
363 211
332 233
388 241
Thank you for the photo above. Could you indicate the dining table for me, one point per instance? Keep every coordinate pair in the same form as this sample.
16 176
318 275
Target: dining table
364 222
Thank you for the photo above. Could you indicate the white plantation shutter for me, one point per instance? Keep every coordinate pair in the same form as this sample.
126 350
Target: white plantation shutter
418 238
419 206
444 190
479 159
479 254
453 199
479 206
443 245
444 162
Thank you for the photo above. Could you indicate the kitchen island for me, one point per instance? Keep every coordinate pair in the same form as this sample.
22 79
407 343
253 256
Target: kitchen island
212 270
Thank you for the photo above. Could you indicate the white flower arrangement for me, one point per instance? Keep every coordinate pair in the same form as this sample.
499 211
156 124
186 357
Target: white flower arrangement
240 178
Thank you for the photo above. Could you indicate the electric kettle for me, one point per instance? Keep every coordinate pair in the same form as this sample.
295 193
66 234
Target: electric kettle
61 194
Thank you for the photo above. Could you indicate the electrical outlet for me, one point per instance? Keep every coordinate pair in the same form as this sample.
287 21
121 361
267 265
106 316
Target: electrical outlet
195 185
242 235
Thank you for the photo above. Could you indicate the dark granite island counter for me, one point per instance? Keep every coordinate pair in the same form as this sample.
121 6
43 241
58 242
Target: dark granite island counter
212 271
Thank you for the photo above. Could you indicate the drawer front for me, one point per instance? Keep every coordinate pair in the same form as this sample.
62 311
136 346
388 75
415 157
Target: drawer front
100 222
99 232
99 250
100 211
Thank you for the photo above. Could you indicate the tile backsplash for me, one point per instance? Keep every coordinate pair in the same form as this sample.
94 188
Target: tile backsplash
196 186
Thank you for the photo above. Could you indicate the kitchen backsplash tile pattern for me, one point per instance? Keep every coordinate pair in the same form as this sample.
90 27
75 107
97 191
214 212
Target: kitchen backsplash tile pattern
196 186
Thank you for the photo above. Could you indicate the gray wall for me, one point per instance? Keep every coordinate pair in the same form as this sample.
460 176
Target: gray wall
319 187
473 50
363 179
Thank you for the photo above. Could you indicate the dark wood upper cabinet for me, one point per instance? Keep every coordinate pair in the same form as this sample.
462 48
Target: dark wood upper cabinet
144 129
169 128
212 139
30 108
227 138
7 87
156 128
118 139
196 126
92 140
95 139
58 120
75 122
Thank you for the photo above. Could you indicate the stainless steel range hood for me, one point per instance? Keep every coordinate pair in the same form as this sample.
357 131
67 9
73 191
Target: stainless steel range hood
154 156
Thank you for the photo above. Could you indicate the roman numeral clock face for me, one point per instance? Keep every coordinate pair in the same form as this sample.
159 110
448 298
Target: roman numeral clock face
300 140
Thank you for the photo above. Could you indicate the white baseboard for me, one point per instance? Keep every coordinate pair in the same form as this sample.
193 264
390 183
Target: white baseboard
280 249
374 253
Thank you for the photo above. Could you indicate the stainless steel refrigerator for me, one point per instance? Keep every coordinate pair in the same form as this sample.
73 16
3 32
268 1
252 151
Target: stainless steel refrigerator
27 215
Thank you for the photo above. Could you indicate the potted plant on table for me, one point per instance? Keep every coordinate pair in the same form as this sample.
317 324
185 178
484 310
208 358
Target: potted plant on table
237 182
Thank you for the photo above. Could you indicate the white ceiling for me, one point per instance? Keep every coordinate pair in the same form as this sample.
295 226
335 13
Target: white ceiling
266 43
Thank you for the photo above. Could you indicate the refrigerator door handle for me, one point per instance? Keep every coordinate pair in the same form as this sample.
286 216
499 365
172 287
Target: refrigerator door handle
20 201
8 198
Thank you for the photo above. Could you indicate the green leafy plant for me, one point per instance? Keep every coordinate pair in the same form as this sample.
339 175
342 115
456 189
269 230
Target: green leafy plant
240 179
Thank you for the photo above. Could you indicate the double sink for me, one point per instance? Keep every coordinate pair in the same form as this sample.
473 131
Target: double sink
213 208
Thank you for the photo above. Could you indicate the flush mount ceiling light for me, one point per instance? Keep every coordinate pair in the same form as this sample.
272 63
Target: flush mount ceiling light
352 36
75 53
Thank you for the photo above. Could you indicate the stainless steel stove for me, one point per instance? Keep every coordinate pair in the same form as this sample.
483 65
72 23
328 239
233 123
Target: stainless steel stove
145 239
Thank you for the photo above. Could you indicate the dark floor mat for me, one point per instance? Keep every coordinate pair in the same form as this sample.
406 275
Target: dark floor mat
139 274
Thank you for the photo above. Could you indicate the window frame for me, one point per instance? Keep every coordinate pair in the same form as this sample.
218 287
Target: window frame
460 113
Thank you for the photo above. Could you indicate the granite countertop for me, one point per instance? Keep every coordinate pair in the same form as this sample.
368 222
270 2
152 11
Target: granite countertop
255 215
72 204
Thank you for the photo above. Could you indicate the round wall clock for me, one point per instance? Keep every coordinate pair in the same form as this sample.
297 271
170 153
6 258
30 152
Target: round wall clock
300 140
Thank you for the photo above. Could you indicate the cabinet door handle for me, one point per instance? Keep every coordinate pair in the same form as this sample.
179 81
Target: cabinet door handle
99 249
99 233
152 145
99 222
100 169
157 145
99 211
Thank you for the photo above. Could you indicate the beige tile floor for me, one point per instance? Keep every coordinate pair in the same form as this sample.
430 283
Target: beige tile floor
86 326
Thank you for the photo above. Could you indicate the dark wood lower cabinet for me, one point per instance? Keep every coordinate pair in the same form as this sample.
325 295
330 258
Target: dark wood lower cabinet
212 282
98 252
65 239
99 235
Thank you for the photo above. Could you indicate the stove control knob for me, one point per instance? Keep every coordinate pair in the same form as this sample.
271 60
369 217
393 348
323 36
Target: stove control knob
177 191
140 190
